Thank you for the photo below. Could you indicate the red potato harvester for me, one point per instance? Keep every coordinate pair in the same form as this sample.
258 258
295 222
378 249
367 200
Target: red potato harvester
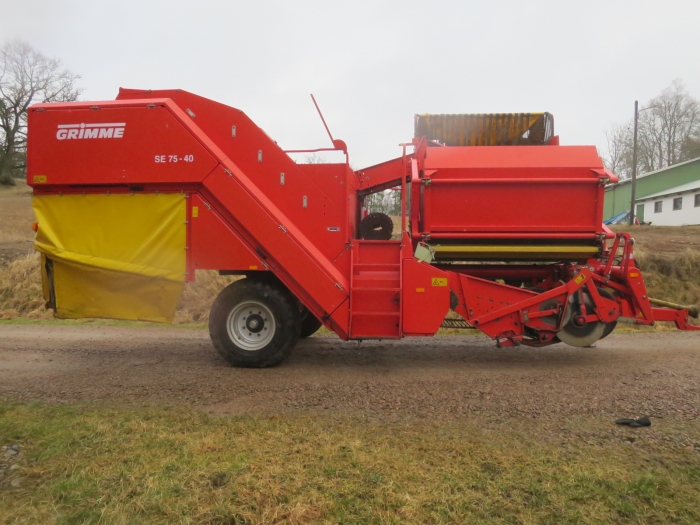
499 223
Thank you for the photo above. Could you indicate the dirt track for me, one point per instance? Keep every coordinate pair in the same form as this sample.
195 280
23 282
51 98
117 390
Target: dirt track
448 376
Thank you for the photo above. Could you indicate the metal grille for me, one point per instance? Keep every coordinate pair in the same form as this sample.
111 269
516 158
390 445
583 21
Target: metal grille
456 323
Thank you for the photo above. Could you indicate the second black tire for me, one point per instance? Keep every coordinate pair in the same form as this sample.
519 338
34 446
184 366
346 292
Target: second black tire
309 323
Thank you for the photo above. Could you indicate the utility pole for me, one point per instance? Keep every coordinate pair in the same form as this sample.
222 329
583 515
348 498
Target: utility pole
634 164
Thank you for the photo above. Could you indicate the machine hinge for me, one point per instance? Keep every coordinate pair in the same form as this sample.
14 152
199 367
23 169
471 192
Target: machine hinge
604 181
284 230
40 110
150 106
265 265
339 286
189 112
207 205
94 108
427 182
228 172
259 155
233 132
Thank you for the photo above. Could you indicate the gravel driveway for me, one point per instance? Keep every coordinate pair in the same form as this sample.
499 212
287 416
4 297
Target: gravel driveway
447 377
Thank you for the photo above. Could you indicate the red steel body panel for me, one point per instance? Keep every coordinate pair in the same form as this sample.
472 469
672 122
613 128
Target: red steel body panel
426 297
509 192
213 244
150 147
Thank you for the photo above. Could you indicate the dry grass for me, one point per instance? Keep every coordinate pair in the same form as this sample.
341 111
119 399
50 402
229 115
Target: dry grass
672 276
20 188
21 295
16 214
136 465
198 296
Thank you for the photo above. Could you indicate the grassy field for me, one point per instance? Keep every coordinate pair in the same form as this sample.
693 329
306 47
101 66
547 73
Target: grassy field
89 464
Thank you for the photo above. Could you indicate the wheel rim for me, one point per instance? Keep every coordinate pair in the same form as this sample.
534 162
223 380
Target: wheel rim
251 325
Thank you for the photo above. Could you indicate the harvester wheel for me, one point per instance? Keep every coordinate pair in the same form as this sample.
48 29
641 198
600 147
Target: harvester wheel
254 323
376 227
585 334
309 323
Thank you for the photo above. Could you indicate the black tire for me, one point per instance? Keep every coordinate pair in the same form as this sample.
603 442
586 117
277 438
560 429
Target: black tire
254 323
376 227
309 323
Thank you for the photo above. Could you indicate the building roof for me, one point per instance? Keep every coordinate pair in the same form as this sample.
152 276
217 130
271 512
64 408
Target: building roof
688 186
625 181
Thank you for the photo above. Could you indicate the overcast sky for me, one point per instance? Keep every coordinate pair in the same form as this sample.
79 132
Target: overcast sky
372 65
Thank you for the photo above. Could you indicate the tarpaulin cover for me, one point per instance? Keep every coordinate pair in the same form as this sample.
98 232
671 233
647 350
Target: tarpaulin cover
486 129
119 256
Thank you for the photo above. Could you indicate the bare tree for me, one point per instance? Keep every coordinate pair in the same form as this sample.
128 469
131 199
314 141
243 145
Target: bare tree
619 159
669 133
26 77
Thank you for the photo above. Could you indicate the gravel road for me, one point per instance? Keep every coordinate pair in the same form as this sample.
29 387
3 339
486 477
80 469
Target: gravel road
657 374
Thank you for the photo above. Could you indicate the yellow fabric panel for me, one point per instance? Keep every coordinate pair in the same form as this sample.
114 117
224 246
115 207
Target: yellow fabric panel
117 256
86 291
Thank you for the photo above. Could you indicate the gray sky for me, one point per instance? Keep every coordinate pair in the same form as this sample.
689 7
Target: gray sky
373 64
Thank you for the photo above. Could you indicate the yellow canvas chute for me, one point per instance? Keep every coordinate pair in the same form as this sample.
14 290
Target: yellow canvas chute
119 256
486 129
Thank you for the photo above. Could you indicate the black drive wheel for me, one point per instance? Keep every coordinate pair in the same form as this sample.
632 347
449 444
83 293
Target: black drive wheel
309 323
254 323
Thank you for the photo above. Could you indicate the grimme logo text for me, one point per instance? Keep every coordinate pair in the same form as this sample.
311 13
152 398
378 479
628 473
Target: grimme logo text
108 130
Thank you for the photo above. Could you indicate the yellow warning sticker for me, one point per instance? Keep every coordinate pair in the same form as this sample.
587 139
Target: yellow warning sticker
39 179
420 290
195 211
439 281
580 278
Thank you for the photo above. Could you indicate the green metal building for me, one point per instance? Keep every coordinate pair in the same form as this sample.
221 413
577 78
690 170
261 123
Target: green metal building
617 196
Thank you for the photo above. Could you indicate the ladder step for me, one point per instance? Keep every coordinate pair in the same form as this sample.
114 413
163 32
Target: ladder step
394 314
369 288
375 336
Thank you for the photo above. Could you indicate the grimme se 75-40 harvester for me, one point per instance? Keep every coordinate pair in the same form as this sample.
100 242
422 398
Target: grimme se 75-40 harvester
499 223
